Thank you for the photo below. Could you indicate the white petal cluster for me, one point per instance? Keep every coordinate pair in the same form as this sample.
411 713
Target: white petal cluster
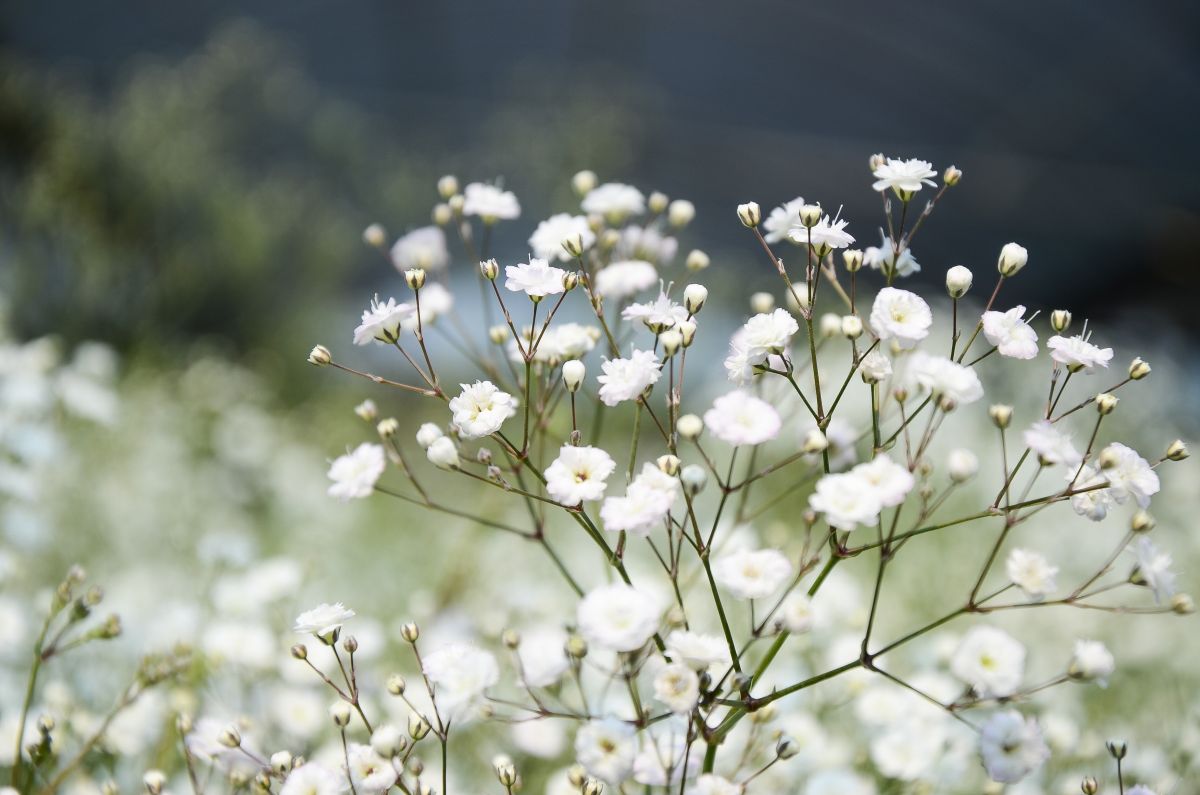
740 418
625 278
1130 476
546 241
354 474
890 481
536 278
905 176
752 573
460 673
783 219
644 506
1092 661
846 501
579 474
990 660
559 342
313 778
1012 336
606 748
677 686
887 258
1051 445
423 248
490 203
382 321
542 657
481 408
1011 746
762 336
825 234
615 201
1152 568
627 379
1077 352
369 772
944 378
662 312
697 650
323 620
618 617
901 316
1031 572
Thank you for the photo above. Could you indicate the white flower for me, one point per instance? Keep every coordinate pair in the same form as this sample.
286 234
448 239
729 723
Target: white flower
443 453
369 772
826 233
618 617
428 433
908 749
752 574
578 474
535 278
891 482
323 621
481 409
1077 353
542 657
767 334
312 778
1051 445
677 686
875 367
846 500
944 378
989 660
885 258
382 321
1011 335
661 312
740 418
606 749
436 301
423 248
547 239
900 315
782 220
460 673
962 464
490 203
614 201
1152 568
625 278
627 379
697 650
1131 476
1011 746
1094 503
645 243
1092 661
904 176
796 613
710 784
646 503
354 474
1031 572
559 342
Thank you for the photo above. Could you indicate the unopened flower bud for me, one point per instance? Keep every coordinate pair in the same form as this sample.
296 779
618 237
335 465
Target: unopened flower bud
1182 604
694 478
810 215
375 235
689 426
680 213
230 737
1108 458
388 742
696 260
694 296
853 259
490 269
573 373
410 632
300 651
415 278
428 433
1089 786
952 176
750 214
281 762
671 341
687 330
1142 522
592 786
610 239
573 244
657 202
762 303
815 441
154 780
340 712
320 356
442 454
962 465
350 644
396 684
498 334
442 214
852 327
584 182
387 428
570 281
1138 369
668 464
1001 415
876 161
456 203
958 281
507 774
831 324
1106 402
447 186
1177 451
1117 748
786 747
418 727
367 410
576 647
1012 258
1060 320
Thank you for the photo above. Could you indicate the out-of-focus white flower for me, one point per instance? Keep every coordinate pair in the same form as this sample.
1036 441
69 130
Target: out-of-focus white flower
436 301
1031 572
578 474
1130 475
909 749
614 201
323 620
886 258
1011 746
646 503
490 203
606 749
645 243
559 342
838 781
846 500
481 409
443 453
382 321
891 482
904 176
740 418
1077 353
536 278
900 315
660 313
1051 445
711 784
875 367
1011 335
423 248
369 772
1152 568
990 660
543 660
696 649
1092 661
782 220
796 613
625 278
766 334
752 574
354 474
825 234
660 762
944 378
460 673
962 464
313 778
548 238
677 686
627 379
618 617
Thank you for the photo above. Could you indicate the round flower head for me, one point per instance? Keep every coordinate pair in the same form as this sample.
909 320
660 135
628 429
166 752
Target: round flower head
962 464
1051 445
1011 335
423 248
313 778
627 379
1011 746
490 203
1090 501
578 474
1130 476
543 660
481 409
618 617
796 613
382 321
846 500
826 234
661 313
697 650
324 621
645 505
901 316
890 481
875 367
752 574
369 772
782 220
905 177
606 749
460 673
677 686
614 201
944 378
1152 568
547 239
1092 661
625 278
1077 353
354 474
990 660
710 784
1031 572
767 334
535 278
740 418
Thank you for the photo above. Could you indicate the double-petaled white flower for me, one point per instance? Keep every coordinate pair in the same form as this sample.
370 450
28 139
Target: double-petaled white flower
625 278
767 334
1077 353
481 408
1009 332
490 203
423 248
323 621
313 778
368 771
627 379
677 686
901 316
890 481
990 660
712 784
740 418
382 321
661 313
1090 499
782 220
1152 568
944 378
606 748
1129 475
1031 572
615 201
618 617
547 240
536 278
1011 746
645 504
846 500
752 573
826 234
579 474
697 650
542 657
354 474
460 673
1091 661
904 176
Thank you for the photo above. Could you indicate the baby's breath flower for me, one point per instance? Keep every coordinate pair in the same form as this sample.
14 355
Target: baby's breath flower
354 474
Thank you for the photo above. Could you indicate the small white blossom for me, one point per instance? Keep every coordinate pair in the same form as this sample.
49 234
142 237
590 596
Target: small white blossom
442 453
1092 661
1152 568
826 233
627 379
606 749
1011 335
962 464
1131 476
782 220
614 201
990 660
1077 352
646 503
460 673
796 613
625 278
312 778
677 686
1051 445
323 620
618 617
481 409
846 500
542 657
886 258
661 312
1031 572
548 238
536 278
369 772
423 248
900 315
875 367
697 650
1094 503
579 474
710 784
1011 746
752 574
490 203
904 176
354 474
890 481
382 321
740 418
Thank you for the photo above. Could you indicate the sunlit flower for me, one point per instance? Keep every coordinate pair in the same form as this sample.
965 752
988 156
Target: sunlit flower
382 321
323 621
618 617
645 504
904 176
369 772
890 481
846 500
